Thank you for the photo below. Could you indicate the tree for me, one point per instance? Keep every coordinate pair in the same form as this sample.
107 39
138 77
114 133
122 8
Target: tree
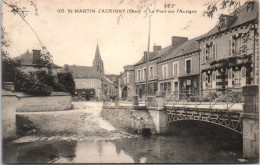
230 5
67 81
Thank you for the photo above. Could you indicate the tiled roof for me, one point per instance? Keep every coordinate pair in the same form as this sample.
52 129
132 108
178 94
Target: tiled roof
27 60
243 15
82 71
185 48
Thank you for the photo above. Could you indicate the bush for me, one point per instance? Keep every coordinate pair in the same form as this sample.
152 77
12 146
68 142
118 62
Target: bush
9 70
39 83
67 82
31 84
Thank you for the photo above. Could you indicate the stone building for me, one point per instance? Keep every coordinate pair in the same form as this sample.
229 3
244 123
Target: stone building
179 69
126 83
229 52
29 62
155 73
91 81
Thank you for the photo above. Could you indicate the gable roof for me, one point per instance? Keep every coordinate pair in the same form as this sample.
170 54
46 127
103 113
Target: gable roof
26 59
244 15
82 71
185 48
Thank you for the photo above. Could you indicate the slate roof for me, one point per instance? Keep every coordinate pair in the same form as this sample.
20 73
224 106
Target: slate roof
104 78
243 15
128 68
27 60
152 54
97 54
82 71
185 48
161 53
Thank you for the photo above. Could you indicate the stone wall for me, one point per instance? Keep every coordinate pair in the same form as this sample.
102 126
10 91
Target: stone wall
250 119
8 116
43 103
130 118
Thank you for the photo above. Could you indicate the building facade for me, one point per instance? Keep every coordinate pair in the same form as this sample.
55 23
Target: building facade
179 70
126 83
29 62
88 79
229 52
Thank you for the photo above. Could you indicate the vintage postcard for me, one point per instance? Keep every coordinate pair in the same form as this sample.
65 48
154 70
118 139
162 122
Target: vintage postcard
130 81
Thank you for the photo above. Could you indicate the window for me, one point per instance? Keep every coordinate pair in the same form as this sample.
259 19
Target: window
237 78
209 78
151 72
188 66
204 54
165 87
165 71
207 55
139 75
188 82
175 69
144 74
237 45
91 85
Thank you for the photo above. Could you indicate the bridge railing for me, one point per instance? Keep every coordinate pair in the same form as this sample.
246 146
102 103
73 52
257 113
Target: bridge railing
229 98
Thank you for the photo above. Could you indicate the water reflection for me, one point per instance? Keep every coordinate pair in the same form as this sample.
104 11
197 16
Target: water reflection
154 149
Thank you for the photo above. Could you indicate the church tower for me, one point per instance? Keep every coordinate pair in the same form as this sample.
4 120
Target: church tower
98 62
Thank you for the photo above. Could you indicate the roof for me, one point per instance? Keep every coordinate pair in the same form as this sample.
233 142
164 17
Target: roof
97 54
162 52
185 48
27 60
82 71
128 68
107 80
152 54
243 14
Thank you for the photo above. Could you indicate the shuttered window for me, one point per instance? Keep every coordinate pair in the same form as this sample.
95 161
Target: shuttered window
188 66
230 47
214 51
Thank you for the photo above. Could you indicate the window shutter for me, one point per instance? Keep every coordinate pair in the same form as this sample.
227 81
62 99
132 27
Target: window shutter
229 74
214 51
243 72
230 47
203 55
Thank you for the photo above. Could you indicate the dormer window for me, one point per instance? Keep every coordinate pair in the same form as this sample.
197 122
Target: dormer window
225 21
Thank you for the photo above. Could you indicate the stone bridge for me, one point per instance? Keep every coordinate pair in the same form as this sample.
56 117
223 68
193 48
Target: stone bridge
236 110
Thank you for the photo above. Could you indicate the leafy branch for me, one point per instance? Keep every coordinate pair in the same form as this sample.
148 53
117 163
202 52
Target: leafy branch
45 56
232 6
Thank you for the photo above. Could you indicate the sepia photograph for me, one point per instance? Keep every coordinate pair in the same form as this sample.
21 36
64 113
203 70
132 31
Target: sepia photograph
130 81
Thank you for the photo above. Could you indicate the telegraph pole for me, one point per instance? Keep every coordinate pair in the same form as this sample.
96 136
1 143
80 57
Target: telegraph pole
147 61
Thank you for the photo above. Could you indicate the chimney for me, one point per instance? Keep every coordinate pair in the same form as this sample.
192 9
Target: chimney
66 68
36 56
156 48
176 41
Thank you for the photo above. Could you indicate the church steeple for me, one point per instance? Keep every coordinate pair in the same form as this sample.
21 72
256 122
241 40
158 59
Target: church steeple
98 62
97 54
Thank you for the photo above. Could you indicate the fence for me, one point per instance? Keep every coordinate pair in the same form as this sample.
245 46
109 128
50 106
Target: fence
229 98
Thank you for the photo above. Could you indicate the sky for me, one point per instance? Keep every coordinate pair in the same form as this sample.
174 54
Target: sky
71 38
